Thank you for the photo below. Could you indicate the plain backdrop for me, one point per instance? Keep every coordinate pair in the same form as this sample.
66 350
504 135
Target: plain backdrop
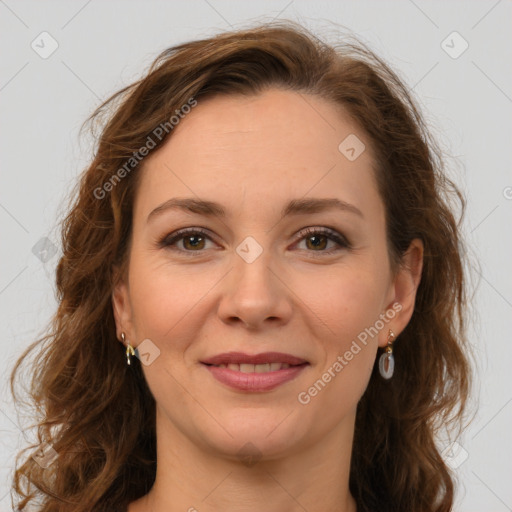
462 81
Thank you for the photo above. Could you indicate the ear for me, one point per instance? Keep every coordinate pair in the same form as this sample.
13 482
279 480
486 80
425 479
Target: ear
403 290
122 308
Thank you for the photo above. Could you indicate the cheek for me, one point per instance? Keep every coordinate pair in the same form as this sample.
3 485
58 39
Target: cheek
349 305
347 300
167 299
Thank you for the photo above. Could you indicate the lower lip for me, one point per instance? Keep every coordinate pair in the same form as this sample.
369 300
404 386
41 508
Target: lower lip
255 381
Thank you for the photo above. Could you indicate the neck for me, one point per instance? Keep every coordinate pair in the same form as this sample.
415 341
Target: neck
190 478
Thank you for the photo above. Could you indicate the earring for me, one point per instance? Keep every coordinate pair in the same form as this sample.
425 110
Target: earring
387 360
129 349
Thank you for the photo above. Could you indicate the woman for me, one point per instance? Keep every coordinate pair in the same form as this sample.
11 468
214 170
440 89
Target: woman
261 293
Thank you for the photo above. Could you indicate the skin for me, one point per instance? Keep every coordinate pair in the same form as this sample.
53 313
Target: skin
294 298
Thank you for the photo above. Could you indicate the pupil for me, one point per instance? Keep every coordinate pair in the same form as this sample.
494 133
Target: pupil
198 240
317 240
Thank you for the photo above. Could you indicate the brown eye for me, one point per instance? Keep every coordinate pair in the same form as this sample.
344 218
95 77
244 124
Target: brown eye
187 241
318 239
317 242
193 242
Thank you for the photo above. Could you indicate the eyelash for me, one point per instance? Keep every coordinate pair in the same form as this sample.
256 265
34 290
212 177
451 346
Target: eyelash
168 240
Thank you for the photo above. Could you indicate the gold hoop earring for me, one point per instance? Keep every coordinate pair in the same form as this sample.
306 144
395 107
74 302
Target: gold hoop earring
387 360
129 349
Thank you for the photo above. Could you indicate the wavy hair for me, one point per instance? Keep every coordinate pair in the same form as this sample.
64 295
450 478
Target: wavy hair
98 414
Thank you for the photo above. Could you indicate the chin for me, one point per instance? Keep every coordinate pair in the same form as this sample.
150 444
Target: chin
255 436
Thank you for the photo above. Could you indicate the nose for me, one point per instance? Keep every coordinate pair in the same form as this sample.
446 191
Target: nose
255 295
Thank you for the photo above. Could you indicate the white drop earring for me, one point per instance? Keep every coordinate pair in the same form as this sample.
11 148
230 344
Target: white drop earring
387 360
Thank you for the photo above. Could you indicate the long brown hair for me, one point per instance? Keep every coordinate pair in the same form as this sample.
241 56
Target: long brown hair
98 413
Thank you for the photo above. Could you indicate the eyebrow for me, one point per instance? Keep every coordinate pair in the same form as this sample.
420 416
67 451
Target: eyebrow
294 207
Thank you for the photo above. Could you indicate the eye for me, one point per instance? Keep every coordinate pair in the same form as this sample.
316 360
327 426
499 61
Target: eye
194 240
317 240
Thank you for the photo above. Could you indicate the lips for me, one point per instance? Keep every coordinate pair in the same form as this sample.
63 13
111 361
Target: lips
255 368
254 373
239 358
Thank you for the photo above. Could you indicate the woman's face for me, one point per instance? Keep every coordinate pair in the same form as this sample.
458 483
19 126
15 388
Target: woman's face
314 284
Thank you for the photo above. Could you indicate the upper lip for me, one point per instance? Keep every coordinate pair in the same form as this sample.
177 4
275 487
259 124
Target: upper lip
264 357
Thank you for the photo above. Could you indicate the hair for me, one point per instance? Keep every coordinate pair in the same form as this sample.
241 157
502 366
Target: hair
99 414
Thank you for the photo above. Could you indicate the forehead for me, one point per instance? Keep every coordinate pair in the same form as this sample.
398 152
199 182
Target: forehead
270 145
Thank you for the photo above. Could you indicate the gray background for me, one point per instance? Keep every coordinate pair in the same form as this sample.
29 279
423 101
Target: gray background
105 45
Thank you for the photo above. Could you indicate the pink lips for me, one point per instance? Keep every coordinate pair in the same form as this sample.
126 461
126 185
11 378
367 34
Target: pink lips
254 381
265 357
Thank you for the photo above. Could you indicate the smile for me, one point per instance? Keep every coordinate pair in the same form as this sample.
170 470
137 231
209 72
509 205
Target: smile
254 368
254 378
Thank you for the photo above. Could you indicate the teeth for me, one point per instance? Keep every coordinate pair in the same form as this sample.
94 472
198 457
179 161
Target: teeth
262 368
254 368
